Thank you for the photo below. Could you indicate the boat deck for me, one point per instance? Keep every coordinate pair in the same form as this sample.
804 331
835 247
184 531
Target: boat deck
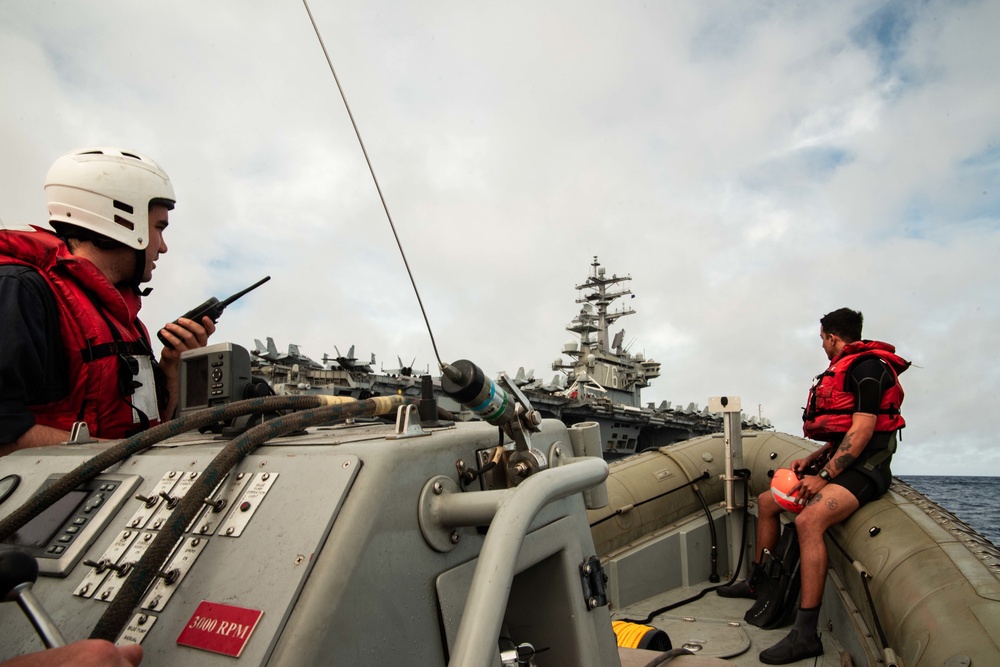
713 627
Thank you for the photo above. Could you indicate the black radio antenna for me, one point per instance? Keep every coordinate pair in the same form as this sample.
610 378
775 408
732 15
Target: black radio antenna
378 187
226 302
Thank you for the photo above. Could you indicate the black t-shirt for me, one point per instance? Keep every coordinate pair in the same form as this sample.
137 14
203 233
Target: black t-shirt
33 366
869 378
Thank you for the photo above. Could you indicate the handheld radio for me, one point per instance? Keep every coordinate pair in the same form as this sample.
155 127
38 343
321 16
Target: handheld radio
212 308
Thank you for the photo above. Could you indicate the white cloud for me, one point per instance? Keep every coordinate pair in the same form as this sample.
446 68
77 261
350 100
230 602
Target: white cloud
751 167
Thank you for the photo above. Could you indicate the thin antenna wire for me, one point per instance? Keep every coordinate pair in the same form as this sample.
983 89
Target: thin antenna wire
375 178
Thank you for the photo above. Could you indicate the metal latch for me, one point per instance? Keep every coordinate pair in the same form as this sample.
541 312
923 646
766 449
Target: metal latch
407 423
79 434
593 579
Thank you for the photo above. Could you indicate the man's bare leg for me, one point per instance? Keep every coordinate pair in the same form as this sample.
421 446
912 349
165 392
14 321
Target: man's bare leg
768 530
831 506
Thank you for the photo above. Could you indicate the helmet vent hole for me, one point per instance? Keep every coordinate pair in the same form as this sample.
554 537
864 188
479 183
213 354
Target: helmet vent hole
122 206
124 223
136 157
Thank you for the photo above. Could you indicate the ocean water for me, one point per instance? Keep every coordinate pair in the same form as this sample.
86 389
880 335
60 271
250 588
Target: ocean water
971 499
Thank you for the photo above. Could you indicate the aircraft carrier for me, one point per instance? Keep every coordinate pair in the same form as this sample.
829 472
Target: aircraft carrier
598 381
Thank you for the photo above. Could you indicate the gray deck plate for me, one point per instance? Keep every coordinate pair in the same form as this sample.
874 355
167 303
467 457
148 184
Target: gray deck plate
710 627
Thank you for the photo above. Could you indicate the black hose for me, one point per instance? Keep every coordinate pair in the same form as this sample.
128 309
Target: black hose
742 472
714 576
120 611
119 452
667 656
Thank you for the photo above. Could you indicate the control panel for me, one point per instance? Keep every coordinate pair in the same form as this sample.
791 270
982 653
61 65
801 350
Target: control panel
347 544
213 375
246 554
58 536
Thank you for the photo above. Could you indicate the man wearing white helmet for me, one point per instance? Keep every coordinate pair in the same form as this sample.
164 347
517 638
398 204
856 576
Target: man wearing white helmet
73 347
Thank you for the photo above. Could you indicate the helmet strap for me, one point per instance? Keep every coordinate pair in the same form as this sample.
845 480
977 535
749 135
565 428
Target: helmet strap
140 268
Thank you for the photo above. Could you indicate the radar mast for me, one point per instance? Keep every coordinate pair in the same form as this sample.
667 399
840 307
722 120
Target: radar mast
602 367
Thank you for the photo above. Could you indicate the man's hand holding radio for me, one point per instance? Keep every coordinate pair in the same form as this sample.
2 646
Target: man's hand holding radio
184 334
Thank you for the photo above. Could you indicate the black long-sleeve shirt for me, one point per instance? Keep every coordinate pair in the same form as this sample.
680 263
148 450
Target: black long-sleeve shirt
33 366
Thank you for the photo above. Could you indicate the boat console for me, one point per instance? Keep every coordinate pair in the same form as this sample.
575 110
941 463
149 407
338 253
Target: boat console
357 542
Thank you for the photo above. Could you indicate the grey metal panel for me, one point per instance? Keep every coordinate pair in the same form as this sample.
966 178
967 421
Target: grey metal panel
334 556
263 569
677 556
546 606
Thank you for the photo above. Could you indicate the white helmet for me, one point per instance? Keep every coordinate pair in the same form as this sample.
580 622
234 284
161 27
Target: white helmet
107 191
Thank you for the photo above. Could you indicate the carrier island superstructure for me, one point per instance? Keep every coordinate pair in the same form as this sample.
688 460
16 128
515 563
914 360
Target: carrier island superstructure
599 380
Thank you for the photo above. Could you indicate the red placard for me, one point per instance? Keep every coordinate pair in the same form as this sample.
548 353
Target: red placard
220 628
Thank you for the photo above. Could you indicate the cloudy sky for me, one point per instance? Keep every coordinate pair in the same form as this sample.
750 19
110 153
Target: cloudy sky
751 166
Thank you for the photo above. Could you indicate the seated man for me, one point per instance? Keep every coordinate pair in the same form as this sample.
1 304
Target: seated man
73 347
853 406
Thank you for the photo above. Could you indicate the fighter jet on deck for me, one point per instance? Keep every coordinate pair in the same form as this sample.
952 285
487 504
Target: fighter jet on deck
270 353
349 362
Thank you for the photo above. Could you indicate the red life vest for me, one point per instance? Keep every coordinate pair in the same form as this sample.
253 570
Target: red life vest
831 406
89 306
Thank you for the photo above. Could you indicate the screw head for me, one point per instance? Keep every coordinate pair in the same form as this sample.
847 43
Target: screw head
455 537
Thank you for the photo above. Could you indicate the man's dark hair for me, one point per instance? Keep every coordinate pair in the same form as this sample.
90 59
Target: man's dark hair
73 235
843 322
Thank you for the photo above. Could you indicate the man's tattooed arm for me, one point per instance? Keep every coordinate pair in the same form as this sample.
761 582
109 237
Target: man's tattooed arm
844 461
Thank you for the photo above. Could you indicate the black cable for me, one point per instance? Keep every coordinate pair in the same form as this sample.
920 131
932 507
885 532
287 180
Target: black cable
469 476
871 603
620 511
742 472
141 576
868 593
667 656
714 575
119 452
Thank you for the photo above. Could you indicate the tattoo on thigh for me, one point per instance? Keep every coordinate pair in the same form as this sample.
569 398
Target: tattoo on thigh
831 504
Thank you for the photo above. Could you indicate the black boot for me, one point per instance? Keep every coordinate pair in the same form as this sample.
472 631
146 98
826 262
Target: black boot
745 588
802 642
